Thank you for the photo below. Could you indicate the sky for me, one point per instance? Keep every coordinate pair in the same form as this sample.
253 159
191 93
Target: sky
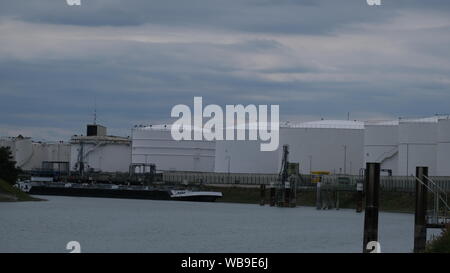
133 60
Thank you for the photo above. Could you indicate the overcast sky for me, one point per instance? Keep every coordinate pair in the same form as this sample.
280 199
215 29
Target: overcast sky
138 58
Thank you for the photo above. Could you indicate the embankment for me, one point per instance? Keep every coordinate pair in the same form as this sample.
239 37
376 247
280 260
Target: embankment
9 193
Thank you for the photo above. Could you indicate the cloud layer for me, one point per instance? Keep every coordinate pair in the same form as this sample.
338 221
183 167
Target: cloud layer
136 59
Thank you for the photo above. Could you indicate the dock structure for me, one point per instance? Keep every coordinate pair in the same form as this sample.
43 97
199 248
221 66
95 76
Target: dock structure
437 217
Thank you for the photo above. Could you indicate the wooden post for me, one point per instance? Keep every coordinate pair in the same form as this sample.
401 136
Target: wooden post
318 200
359 197
372 202
420 228
293 200
337 199
263 194
272 196
287 195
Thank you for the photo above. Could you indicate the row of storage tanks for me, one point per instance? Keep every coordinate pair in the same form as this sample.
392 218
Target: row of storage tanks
333 146
29 155
404 144
327 145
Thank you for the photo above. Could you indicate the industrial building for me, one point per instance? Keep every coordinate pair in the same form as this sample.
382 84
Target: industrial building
333 146
154 144
402 145
98 152
326 145
30 155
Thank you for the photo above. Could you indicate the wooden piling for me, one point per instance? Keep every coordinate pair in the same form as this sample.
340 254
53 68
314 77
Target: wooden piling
293 199
337 200
372 201
287 194
263 194
272 196
318 200
359 197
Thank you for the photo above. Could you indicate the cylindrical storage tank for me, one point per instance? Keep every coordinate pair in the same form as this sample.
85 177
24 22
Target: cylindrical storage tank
245 156
381 146
154 144
331 146
23 151
443 147
417 146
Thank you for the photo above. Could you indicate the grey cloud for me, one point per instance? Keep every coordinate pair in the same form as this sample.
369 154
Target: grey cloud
287 16
134 81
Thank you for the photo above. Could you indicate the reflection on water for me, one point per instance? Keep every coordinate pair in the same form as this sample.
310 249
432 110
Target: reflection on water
121 225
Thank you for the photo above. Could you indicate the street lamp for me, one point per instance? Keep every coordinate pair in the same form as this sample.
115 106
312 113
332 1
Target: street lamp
345 159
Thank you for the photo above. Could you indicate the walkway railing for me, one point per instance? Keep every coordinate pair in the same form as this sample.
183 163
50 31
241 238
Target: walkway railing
439 215
387 183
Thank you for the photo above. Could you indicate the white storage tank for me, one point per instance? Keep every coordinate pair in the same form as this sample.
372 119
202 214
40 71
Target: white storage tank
237 156
21 149
443 147
100 153
381 145
154 144
417 145
326 145
335 146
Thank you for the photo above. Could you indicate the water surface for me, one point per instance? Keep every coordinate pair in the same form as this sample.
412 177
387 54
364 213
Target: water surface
124 225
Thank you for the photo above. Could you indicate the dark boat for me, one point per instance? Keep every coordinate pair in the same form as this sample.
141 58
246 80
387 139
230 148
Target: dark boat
116 191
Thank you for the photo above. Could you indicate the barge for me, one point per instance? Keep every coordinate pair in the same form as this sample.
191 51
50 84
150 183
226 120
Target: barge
116 191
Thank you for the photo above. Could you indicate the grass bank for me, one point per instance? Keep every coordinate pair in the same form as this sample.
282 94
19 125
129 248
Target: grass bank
441 243
389 201
9 193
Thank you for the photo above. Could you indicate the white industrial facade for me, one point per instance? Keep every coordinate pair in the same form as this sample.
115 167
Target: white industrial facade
381 145
331 146
403 145
443 148
30 155
326 145
155 145
417 146
100 153
237 156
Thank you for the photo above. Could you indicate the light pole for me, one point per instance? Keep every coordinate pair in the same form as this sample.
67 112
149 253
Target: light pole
345 159
310 164
229 163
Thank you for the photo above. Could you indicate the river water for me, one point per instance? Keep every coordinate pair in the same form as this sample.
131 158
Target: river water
124 225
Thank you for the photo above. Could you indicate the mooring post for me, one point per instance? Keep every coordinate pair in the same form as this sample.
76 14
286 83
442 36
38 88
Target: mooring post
287 195
293 199
420 228
272 195
372 200
263 194
318 200
337 200
359 197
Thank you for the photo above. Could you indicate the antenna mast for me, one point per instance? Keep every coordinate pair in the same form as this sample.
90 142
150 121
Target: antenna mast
95 111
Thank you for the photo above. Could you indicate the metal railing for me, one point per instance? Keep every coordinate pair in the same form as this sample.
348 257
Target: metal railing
439 215
387 183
